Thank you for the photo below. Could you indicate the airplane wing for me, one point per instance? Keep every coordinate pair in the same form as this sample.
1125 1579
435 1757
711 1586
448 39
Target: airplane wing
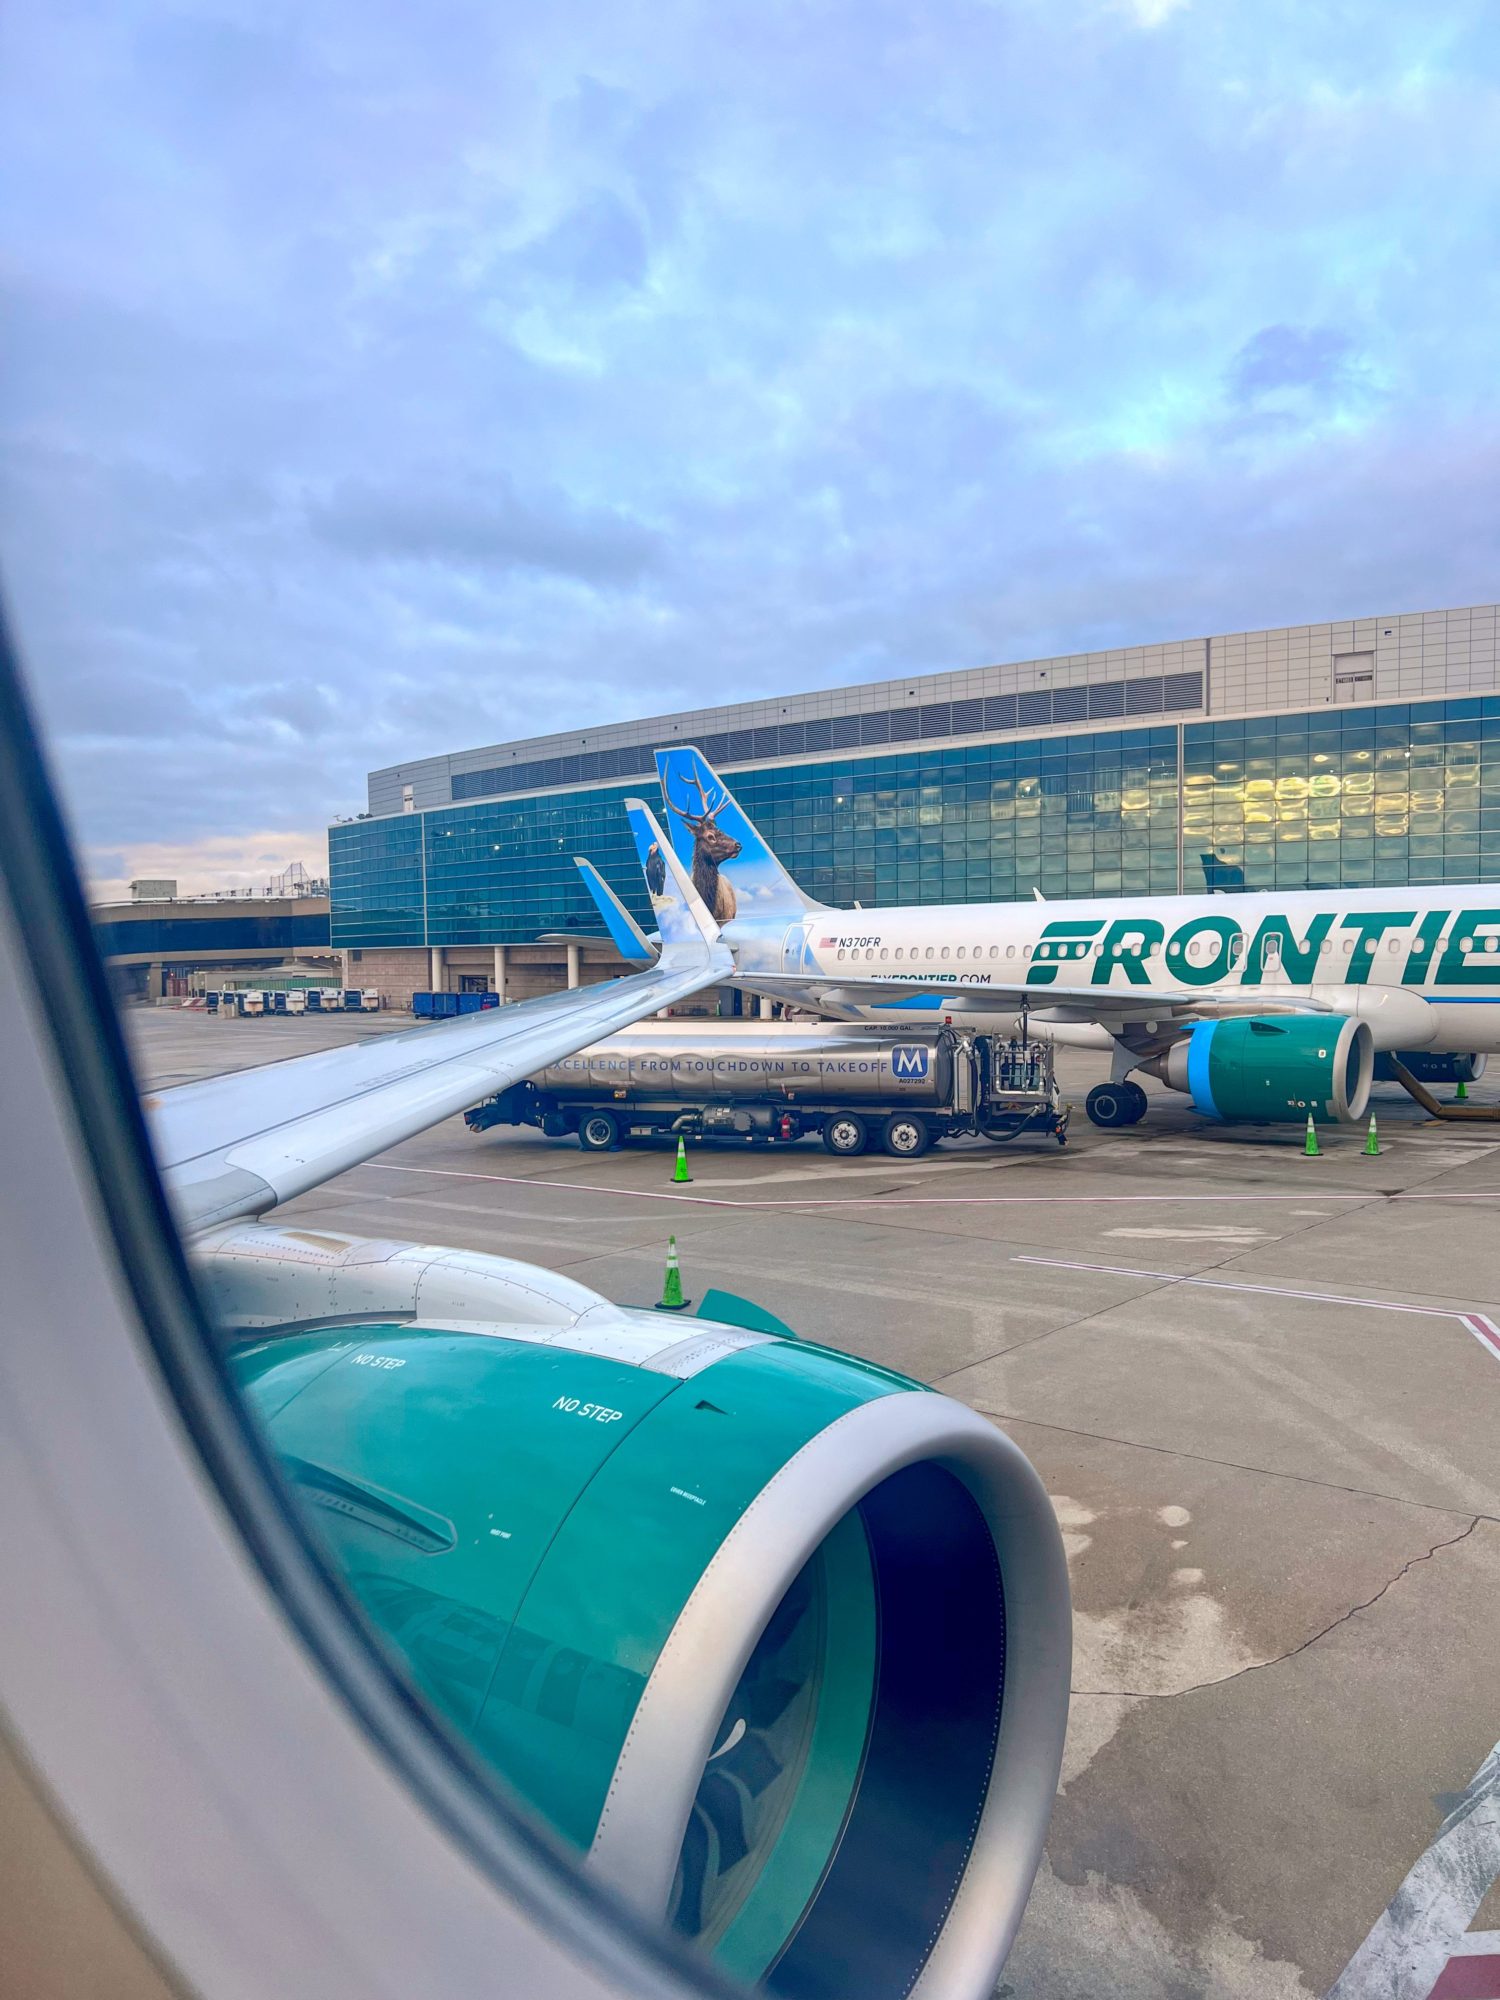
1111 1006
235 1145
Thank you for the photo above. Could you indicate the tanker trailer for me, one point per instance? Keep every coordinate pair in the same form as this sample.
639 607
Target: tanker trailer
849 1084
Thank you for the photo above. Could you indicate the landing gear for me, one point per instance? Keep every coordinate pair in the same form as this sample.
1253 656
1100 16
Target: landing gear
905 1136
845 1133
1110 1104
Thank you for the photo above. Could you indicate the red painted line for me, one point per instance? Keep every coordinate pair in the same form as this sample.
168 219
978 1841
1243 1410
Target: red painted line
1484 1331
1476 1978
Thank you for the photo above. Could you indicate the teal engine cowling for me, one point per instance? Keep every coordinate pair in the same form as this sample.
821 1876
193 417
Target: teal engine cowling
776 1640
1429 1068
1275 1068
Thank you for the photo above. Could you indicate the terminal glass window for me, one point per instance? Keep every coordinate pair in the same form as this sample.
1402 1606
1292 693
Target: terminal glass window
1336 798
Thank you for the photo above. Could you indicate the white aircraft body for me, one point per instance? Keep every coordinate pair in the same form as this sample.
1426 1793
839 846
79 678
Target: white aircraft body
1260 1006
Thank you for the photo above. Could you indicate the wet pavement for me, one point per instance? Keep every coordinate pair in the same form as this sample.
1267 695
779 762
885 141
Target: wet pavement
1260 1392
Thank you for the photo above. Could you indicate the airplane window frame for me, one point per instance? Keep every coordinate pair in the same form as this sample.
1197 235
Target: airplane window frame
65 999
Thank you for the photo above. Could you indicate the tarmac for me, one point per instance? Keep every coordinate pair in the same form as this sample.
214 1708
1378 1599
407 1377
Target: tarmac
1260 1391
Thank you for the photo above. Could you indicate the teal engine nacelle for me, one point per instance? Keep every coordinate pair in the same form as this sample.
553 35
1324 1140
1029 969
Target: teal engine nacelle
1429 1068
1274 1068
776 1640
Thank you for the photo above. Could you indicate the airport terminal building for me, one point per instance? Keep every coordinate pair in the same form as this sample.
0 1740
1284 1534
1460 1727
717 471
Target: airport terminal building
1316 756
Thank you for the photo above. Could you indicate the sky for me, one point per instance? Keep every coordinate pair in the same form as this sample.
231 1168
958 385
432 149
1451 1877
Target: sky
380 380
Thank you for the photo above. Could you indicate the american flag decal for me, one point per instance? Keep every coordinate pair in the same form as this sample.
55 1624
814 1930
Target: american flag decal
825 943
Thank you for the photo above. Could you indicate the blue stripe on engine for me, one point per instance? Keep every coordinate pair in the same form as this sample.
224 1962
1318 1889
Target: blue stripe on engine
1199 1087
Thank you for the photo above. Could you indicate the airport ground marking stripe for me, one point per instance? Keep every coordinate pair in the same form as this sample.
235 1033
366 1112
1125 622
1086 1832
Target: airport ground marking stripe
1473 1972
902 1200
1422 1930
1483 1328
1478 1944
1484 1331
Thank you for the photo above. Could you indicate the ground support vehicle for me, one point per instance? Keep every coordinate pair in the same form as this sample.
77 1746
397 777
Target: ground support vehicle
852 1086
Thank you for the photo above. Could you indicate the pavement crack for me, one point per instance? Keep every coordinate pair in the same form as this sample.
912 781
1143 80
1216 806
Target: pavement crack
1259 1666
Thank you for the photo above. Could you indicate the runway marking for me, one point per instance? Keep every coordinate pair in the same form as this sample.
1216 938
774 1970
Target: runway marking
1420 1948
896 1200
1473 1972
1483 1328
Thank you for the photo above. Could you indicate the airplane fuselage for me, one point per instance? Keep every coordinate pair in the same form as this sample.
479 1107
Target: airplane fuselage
1439 945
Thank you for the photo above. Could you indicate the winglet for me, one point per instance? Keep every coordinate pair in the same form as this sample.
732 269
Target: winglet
682 917
629 940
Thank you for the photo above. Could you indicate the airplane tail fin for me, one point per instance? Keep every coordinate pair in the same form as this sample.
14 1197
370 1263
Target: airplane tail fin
682 918
629 940
715 837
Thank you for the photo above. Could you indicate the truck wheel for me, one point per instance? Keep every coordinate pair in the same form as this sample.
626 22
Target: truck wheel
845 1133
598 1131
905 1135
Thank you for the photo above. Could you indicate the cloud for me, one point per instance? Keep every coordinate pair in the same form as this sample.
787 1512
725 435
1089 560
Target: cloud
1315 358
469 525
377 386
1154 13
216 862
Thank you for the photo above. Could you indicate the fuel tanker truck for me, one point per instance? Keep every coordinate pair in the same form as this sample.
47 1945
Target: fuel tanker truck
849 1084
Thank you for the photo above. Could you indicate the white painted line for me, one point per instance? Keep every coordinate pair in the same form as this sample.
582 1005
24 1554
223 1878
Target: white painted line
1424 1924
1484 1331
1483 1328
1478 1944
898 1200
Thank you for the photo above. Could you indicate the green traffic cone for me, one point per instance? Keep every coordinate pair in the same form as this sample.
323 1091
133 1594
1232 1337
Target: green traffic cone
680 1172
1461 1095
671 1300
1310 1149
1372 1141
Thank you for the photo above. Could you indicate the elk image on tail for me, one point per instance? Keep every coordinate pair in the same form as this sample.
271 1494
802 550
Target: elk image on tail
711 846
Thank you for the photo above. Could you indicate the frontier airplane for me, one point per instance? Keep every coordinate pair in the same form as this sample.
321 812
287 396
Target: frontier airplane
1264 1007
